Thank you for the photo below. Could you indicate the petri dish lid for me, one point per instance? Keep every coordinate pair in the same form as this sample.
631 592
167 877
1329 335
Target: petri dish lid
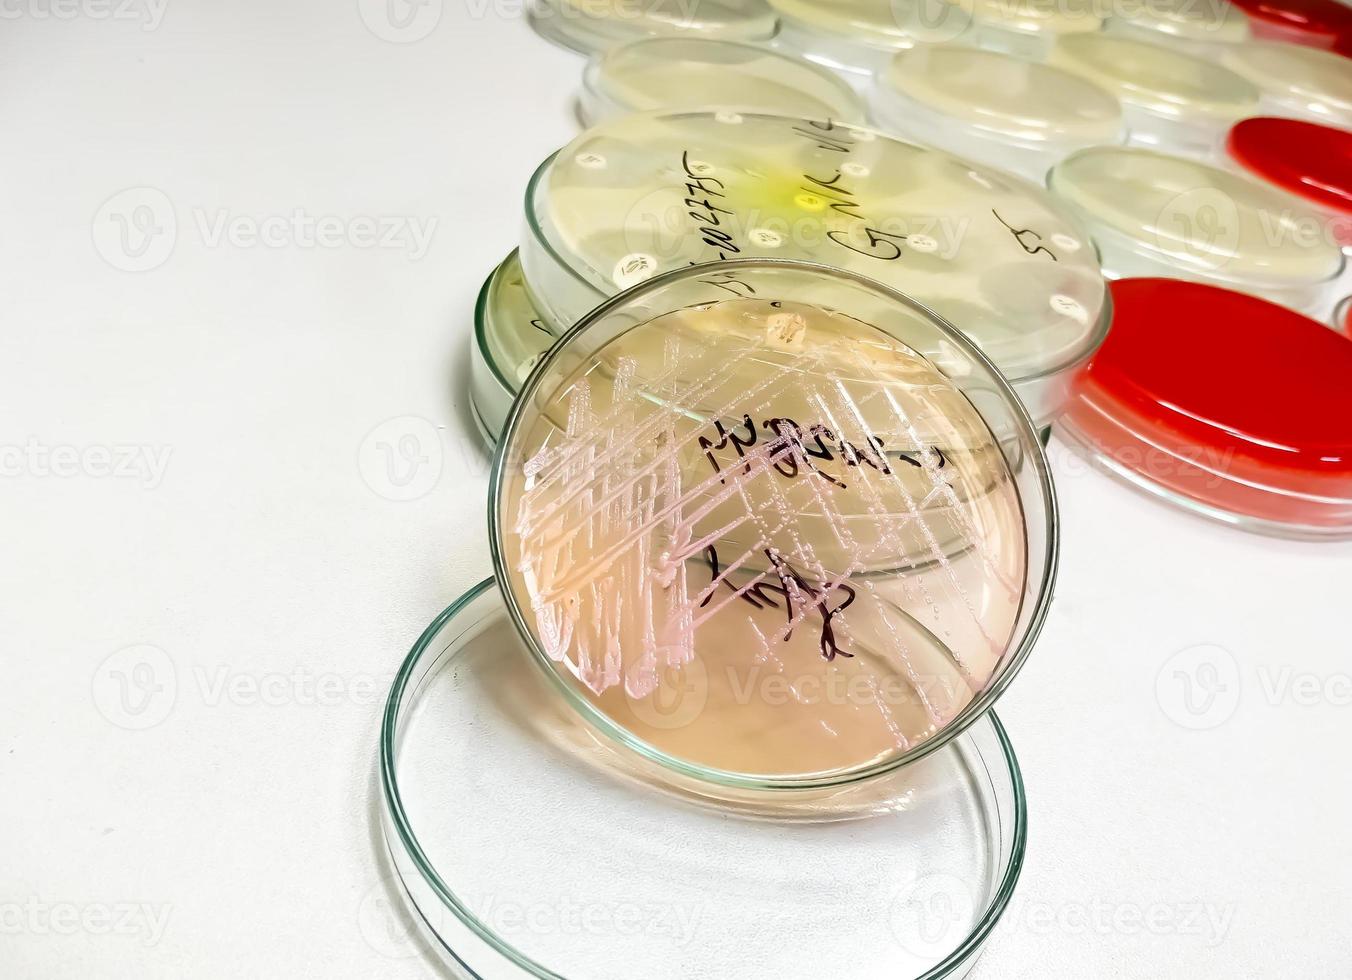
1184 20
740 486
510 335
618 880
1007 97
895 24
1036 16
1304 158
1318 82
1156 78
1224 403
647 193
692 73
1208 221
1318 22
593 25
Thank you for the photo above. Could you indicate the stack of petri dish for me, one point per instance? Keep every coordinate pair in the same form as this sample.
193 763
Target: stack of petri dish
1172 100
1298 82
761 568
1001 111
594 25
694 73
1155 215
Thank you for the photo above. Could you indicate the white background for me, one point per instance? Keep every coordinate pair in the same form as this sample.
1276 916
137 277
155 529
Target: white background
220 823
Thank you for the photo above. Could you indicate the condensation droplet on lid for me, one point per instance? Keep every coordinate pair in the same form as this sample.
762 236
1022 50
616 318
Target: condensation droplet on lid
633 269
1066 306
1062 240
590 161
855 169
922 243
765 238
728 116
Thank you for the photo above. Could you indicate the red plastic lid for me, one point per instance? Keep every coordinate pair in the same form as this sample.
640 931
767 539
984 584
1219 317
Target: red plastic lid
1304 158
1314 22
1224 402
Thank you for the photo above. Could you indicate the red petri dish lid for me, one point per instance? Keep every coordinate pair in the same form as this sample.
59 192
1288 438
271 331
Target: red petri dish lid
1305 158
1225 403
1314 22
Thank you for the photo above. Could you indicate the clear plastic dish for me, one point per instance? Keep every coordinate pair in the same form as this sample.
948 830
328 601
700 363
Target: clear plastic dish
594 25
691 73
1157 215
509 340
990 252
1299 82
791 499
1172 101
859 37
1224 404
617 878
1202 29
1306 159
1005 112
1029 28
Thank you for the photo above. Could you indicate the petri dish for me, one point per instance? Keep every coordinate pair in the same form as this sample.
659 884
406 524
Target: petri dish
594 25
1299 82
1168 407
1172 101
1029 28
1316 23
792 500
623 878
691 73
1157 215
509 340
1001 111
1201 29
1311 161
858 38
648 193
1342 317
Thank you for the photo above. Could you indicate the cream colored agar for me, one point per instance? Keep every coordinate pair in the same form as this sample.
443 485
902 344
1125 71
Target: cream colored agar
689 515
1036 16
978 247
1209 221
896 24
1315 84
731 20
513 333
1156 78
1008 96
692 73
1185 20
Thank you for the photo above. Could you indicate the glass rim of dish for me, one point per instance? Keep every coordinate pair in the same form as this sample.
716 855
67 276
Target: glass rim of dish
481 324
1090 342
544 16
407 685
594 75
1016 652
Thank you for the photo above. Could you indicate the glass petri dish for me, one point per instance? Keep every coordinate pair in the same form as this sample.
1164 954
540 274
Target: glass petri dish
1168 407
1029 28
1004 112
1315 23
1299 82
1201 29
786 496
991 253
509 340
594 25
622 880
1172 100
1157 215
691 73
1313 162
859 37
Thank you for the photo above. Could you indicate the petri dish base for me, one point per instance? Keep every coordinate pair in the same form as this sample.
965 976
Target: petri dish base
621 877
